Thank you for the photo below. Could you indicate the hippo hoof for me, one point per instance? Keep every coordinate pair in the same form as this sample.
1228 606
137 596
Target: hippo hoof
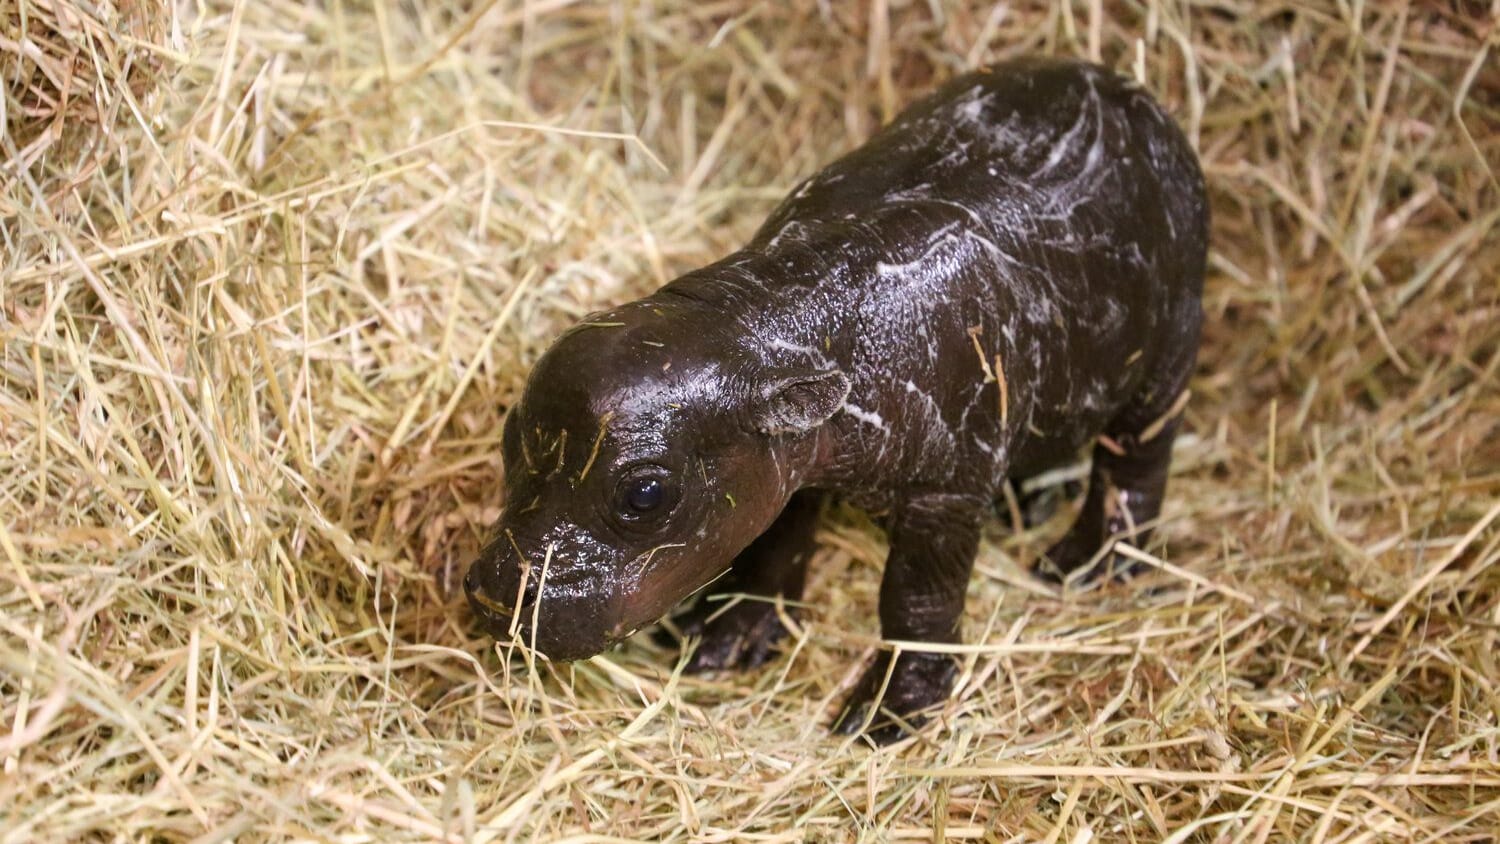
919 682
1074 552
741 636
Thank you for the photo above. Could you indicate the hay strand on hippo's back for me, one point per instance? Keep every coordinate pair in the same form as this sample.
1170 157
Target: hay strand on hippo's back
271 272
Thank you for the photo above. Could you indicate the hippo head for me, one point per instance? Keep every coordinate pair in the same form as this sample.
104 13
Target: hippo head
647 449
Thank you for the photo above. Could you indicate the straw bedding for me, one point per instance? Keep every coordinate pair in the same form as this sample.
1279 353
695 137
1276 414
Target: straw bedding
270 273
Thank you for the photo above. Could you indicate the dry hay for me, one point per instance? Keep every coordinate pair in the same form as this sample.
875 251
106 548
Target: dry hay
270 273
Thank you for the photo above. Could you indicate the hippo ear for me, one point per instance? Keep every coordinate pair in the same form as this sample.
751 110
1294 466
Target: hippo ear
799 401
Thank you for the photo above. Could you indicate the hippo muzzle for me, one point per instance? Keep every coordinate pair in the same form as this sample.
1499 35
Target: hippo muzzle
563 605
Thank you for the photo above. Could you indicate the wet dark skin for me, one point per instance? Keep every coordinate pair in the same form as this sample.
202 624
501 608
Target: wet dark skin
1007 273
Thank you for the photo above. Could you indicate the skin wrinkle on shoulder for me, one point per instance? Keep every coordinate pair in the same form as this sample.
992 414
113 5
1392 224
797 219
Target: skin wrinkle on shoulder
1040 224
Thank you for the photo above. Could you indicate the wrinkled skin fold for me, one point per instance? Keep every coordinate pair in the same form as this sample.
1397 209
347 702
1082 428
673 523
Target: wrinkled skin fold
1008 272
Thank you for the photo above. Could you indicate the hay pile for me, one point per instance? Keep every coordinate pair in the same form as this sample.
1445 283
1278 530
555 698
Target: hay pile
270 272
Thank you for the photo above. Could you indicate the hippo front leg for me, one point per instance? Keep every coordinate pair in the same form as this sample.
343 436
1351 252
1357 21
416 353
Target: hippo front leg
737 622
934 538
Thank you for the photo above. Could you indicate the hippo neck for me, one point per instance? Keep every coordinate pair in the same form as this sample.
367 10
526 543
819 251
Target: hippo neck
739 285
773 302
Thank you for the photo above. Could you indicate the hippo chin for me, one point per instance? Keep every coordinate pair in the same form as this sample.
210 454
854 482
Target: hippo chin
1008 272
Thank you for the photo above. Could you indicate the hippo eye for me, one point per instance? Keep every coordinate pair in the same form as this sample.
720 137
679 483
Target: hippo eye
643 497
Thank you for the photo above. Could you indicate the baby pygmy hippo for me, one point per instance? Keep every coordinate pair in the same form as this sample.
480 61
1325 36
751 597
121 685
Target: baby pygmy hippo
1009 271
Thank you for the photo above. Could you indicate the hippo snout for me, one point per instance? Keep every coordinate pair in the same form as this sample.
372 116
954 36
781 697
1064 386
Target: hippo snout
575 617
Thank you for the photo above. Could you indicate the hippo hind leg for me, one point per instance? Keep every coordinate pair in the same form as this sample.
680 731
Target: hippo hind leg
1128 478
738 624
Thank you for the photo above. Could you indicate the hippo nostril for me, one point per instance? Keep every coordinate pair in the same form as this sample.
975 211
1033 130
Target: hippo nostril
493 613
479 597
